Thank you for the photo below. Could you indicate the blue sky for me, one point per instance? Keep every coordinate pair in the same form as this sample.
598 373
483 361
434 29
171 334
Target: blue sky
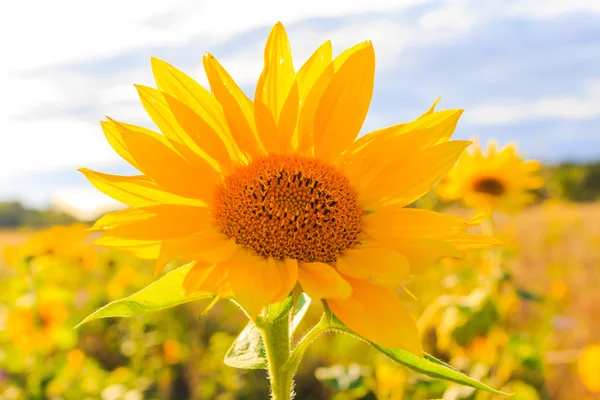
525 71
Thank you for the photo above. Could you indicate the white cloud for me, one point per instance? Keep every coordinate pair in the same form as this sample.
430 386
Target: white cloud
584 107
39 131
85 203
50 145
541 9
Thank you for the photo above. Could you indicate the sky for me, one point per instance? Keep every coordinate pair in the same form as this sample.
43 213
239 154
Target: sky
524 70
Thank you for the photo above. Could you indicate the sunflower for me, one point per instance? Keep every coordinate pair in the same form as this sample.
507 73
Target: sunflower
499 180
268 194
58 243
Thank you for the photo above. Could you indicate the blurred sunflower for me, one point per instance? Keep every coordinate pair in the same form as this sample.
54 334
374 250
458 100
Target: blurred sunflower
499 180
33 328
64 242
588 366
265 194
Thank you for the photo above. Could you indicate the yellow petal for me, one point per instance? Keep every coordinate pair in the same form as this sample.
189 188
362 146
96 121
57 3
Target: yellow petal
432 108
144 249
207 278
377 314
313 68
278 74
373 153
114 137
135 191
471 241
199 134
322 281
238 108
379 265
266 126
163 165
175 83
276 96
308 109
288 120
205 246
258 281
211 247
254 281
187 142
398 222
404 183
421 253
155 222
344 104
158 110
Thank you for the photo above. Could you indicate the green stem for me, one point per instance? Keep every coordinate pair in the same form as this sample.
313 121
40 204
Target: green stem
276 336
292 364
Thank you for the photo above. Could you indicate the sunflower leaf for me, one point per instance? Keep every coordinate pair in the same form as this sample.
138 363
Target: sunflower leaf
427 365
165 292
248 350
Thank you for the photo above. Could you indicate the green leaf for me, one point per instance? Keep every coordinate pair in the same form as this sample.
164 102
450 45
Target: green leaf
302 304
279 310
427 364
248 350
163 293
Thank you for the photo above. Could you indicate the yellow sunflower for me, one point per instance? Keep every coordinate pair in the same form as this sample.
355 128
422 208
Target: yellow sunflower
58 243
499 180
267 194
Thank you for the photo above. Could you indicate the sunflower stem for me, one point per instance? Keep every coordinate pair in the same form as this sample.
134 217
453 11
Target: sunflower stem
298 352
276 336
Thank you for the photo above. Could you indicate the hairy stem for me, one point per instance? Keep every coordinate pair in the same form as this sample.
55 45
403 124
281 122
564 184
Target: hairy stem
276 336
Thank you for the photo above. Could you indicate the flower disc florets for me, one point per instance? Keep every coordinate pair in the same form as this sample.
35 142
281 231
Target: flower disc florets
491 186
289 206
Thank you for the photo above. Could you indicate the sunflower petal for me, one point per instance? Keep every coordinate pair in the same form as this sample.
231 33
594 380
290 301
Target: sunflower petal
238 108
207 277
382 266
398 222
144 249
313 68
115 139
470 241
278 74
308 109
376 151
258 281
135 191
344 104
176 84
188 142
210 247
405 183
199 134
421 253
155 222
378 315
322 281
163 165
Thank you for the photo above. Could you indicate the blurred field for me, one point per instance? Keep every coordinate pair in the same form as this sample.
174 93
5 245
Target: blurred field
13 237
543 314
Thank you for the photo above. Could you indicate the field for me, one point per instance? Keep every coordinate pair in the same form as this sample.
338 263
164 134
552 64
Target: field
544 313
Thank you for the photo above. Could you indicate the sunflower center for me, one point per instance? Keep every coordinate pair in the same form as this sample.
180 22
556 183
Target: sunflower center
490 186
289 206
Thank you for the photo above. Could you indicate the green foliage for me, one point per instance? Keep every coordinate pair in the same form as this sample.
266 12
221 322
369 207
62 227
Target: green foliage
166 292
14 214
427 365
575 182
248 349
